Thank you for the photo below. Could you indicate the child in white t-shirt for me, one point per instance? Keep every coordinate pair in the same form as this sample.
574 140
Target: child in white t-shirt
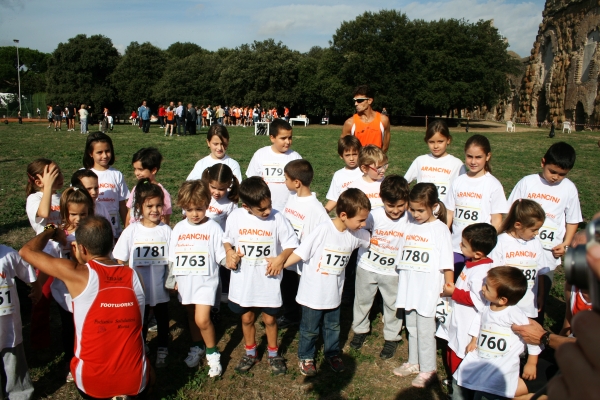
492 363
146 164
254 233
99 156
326 252
425 264
14 364
467 301
438 167
377 266
304 211
476 196
88 180
348 149
144 245
195 252
44 179
373 163
269 162
217 140
519 246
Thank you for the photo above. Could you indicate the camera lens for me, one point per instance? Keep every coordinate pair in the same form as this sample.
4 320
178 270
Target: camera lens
576 268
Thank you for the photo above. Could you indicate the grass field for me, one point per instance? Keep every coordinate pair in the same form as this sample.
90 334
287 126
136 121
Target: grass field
514 156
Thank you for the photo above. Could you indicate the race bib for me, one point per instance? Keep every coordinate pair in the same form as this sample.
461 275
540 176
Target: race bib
465 215
114 217
148 252
442 188
298 227
443 310
191 260
379 259
334 259
273 173
7 305
493 341
415 258
256 249
549 234
528 268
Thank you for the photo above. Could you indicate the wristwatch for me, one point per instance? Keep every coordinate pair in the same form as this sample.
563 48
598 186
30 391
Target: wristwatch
545 339
50 226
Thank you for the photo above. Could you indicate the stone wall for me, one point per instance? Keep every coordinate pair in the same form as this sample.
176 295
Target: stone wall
561 77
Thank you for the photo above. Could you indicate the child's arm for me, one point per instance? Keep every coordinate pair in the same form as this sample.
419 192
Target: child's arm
449 289
127 218
497 221
530 369
566 328
277 264
36 291
472 344
448 277
330 205
449 218
47 178
559 250
232 257
540 294
123 211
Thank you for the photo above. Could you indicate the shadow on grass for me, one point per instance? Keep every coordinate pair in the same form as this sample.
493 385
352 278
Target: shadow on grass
431 392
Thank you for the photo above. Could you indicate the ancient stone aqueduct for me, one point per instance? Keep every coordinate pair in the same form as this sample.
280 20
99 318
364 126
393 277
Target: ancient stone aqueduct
560 79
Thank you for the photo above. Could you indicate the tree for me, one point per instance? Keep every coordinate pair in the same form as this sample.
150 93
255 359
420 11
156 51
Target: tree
139 69
33 69
180 50
80 71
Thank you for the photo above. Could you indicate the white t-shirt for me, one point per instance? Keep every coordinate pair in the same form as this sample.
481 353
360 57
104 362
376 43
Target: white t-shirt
257 239
101 211
426 253
209 161
441 171
529 257
560 203
113 190
386 240
474 200
341 179
219 210
269 165
11 266
370 189
326 252
147 250
195 252
494 366
304 213
32 206
462 316
57 287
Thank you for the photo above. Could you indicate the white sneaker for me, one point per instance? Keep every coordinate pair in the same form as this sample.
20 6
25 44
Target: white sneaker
193 358
214 362
161 357
70 377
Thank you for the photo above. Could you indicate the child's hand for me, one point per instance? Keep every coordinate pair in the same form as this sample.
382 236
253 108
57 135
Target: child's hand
50 174
274 266
233 258
540 302
558 251
448 289
471 347
529 371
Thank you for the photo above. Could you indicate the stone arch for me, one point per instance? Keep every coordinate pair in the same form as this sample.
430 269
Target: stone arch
580 116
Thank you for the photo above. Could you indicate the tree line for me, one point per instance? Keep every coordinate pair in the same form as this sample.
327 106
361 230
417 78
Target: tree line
416 67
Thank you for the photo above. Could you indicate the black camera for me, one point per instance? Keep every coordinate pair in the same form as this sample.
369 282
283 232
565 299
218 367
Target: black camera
577 271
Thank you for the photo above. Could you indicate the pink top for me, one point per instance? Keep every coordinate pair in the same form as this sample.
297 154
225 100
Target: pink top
167 210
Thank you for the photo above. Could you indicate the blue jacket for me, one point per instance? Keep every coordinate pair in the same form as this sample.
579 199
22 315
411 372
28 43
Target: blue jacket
144 112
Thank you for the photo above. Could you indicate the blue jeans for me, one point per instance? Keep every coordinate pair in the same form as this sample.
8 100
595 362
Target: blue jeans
84 126
312 319
180 125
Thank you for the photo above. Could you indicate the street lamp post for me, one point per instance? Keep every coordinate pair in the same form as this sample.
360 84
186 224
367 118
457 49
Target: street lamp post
18 71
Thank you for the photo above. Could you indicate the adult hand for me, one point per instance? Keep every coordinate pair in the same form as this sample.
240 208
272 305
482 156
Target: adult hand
531 333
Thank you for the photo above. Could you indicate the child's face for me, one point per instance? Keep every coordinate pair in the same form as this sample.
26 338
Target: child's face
289 183
466 248
76 213
350 158
101 154
217 147
375 172
553 174
152 209
395 210
527 233
91 185
141 172
195 213
475 158
357 222
490 293
262 211
282 142
438 144
217 189
420 212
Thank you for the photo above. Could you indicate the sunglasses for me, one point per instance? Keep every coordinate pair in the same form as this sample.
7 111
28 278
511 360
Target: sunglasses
381 169
360 100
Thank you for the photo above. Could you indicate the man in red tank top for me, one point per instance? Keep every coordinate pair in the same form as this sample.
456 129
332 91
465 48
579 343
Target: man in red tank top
107 305
368 125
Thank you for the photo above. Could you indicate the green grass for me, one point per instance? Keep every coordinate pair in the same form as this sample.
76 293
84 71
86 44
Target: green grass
514 156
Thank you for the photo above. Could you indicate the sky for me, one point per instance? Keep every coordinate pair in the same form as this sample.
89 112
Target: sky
299 25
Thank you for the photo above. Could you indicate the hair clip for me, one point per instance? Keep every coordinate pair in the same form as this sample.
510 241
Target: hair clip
436 209
75 188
